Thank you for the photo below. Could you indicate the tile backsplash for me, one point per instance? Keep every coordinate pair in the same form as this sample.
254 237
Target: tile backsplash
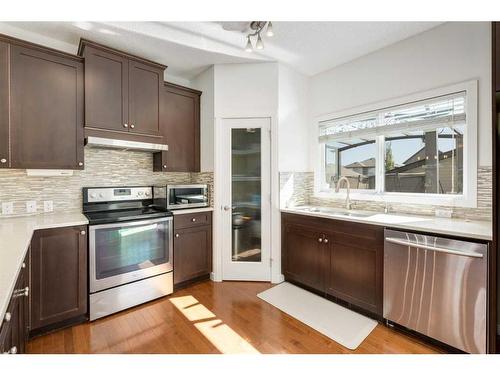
297 188
102 168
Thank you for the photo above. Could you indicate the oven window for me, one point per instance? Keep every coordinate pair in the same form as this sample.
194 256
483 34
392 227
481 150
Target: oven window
120 250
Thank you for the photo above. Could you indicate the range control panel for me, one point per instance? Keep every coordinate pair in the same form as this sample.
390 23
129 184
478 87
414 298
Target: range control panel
93 195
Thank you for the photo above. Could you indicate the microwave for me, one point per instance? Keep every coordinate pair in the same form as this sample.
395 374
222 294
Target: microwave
176 197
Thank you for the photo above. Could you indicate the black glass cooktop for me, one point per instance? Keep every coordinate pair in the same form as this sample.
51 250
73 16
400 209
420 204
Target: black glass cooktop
113 216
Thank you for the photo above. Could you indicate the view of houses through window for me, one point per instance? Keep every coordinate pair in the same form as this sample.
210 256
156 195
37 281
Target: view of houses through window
422 144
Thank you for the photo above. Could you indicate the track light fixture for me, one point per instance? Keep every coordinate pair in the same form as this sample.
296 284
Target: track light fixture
257 27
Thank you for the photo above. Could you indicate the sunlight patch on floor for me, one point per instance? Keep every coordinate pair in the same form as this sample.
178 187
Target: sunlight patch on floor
223 337
191 308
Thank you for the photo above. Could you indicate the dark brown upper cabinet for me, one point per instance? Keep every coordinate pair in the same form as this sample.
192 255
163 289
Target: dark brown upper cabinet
106 90
180 127
4 105
58 277
44 127
122 94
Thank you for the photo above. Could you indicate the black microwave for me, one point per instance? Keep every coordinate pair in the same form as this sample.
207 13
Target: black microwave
176 197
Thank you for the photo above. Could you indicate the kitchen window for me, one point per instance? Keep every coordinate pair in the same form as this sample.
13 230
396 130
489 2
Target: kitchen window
425 145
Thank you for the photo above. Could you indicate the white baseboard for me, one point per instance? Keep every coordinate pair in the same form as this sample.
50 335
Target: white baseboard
212 277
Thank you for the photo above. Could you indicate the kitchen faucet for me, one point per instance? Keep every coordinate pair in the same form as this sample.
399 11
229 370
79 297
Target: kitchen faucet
337 188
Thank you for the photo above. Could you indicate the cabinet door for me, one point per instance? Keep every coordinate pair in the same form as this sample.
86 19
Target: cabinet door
144 98
58 275
106 90
13 330
180 126
4 105
192 253
303 255
355 272
46 110
497 55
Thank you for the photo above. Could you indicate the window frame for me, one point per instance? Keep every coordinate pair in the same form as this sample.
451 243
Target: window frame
468 198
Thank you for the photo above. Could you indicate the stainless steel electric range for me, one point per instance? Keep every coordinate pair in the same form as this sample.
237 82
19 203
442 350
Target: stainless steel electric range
130 248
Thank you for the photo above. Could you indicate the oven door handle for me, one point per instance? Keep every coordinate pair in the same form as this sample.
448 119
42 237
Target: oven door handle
130 223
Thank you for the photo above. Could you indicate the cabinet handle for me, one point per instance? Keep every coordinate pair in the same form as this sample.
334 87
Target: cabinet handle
24 265
193 219
177 235
8 317
21 292
326 240
3 161
132 126
125 125
164 166
82 233
80 164
12 350
320 239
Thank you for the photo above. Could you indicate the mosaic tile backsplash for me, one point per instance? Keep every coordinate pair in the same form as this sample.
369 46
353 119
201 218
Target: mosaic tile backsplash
297 188
102 168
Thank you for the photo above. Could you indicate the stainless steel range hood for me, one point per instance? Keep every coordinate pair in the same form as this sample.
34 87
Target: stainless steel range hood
98 142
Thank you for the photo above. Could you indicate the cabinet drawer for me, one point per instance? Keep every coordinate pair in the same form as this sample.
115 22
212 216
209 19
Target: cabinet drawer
192 220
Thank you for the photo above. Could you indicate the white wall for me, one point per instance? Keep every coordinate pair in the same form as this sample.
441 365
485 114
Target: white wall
293 120
246 90
43 40
450 53
205 83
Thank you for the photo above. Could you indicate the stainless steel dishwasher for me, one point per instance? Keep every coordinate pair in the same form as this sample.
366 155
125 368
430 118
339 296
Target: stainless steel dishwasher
437 287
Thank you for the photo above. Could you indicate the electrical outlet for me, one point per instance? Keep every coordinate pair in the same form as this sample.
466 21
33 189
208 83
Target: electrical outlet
7 208
48 206
31 207
443 212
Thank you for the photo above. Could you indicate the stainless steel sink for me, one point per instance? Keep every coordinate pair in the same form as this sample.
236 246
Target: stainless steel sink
333 211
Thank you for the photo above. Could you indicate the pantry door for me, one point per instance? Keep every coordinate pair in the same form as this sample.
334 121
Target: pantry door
246 208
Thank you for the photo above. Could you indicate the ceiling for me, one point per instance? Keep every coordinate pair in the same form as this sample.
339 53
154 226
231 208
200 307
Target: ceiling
188 48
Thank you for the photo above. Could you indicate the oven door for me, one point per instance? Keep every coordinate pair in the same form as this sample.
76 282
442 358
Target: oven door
124 252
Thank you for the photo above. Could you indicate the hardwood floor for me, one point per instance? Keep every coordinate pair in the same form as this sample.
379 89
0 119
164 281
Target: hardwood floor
212 318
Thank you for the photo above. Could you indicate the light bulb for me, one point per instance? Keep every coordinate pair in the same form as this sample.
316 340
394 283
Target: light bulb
259 44
269 31
249 47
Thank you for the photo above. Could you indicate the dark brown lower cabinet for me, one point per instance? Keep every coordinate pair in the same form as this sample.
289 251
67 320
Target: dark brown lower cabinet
58 277
335 258
14 327
192 247
305 257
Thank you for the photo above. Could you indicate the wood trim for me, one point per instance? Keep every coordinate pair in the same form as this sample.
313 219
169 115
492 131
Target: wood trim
493 259
39 47
86 42
125 135
180 87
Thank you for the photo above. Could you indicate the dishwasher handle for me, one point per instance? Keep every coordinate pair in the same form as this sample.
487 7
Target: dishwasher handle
433 248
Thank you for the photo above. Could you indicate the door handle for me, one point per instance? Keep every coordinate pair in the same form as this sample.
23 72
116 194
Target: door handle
398 241
227 208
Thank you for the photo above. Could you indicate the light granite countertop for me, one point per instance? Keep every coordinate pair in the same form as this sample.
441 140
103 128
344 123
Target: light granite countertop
479 230
15 238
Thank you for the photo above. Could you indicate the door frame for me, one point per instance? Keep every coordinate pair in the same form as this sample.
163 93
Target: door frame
275 231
